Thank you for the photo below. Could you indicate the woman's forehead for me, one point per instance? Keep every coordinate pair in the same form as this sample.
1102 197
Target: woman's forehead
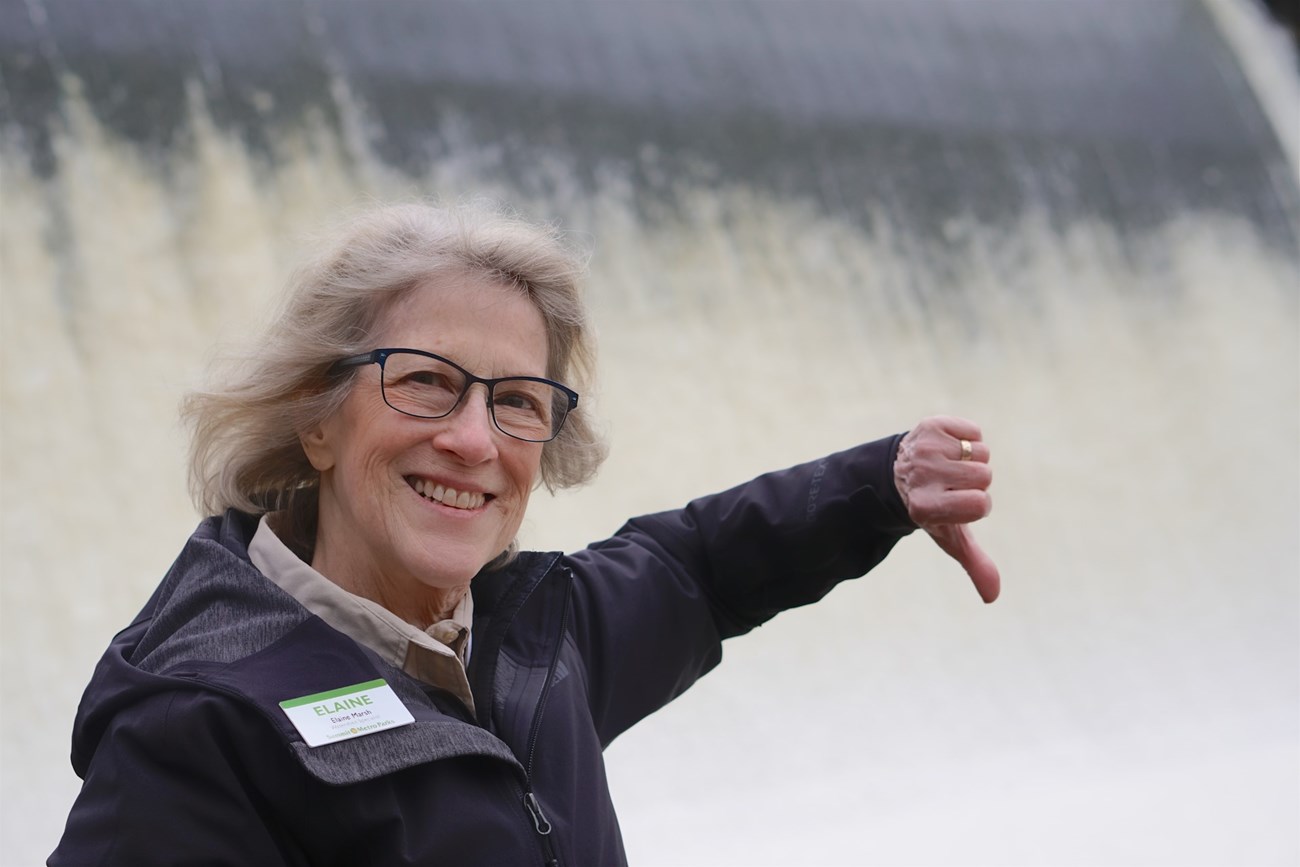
478 322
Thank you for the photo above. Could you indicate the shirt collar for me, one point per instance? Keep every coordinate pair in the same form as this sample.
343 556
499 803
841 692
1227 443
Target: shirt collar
437 655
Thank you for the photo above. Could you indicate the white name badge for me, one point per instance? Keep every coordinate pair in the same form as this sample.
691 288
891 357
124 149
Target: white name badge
348 712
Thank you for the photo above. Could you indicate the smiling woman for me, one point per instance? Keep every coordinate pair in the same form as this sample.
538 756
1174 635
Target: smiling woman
411 508
352 638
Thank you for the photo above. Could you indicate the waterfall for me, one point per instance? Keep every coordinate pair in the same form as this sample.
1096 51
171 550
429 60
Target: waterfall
810 224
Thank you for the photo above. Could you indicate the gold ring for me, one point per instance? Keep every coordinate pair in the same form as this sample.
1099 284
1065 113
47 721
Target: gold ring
965 450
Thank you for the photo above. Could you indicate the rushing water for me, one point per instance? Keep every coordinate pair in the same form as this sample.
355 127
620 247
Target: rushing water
1120 312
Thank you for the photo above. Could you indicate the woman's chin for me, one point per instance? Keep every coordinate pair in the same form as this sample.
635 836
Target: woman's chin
447 563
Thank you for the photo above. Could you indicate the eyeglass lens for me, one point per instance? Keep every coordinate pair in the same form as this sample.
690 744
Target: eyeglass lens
426 387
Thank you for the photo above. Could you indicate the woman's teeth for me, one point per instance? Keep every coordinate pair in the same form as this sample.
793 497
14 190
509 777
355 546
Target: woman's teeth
448 496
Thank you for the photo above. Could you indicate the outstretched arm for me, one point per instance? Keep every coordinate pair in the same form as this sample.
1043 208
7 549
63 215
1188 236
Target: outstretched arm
654 601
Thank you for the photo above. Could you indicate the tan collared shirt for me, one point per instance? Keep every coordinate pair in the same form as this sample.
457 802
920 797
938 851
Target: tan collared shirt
436 656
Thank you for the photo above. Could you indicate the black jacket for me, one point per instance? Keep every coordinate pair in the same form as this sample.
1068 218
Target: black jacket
188 758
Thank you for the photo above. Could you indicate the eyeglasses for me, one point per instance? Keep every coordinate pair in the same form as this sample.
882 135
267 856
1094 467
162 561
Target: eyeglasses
425 385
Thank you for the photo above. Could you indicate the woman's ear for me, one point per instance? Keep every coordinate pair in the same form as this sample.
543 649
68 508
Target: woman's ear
316 445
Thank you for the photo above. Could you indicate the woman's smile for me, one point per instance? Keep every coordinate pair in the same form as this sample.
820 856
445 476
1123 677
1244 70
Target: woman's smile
461 500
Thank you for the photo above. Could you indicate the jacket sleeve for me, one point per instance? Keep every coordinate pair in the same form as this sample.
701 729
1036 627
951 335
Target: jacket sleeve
165 787
654 601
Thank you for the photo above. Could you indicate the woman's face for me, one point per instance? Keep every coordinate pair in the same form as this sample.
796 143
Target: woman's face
409 504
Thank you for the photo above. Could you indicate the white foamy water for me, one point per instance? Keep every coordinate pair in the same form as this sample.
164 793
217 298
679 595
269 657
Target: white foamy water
1134 698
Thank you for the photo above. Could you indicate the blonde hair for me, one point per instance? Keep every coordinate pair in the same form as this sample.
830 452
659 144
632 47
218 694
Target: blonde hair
245 452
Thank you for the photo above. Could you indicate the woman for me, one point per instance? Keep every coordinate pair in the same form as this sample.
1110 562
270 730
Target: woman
350 663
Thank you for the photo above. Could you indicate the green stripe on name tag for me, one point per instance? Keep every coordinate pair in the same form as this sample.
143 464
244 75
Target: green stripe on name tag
333 693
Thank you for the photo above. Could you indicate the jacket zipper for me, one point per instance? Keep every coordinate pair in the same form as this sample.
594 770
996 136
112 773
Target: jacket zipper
531 804
543 827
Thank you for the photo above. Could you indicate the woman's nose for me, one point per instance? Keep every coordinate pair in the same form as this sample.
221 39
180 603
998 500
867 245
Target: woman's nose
469 431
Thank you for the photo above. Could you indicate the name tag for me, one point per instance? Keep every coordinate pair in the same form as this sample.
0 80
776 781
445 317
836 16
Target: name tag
347 712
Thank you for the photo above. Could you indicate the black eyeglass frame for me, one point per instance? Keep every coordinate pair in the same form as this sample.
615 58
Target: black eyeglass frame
380 357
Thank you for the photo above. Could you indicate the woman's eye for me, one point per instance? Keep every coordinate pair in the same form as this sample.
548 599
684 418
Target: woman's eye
427 378
517 401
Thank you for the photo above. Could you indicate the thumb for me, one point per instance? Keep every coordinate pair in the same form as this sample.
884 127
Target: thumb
958 543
